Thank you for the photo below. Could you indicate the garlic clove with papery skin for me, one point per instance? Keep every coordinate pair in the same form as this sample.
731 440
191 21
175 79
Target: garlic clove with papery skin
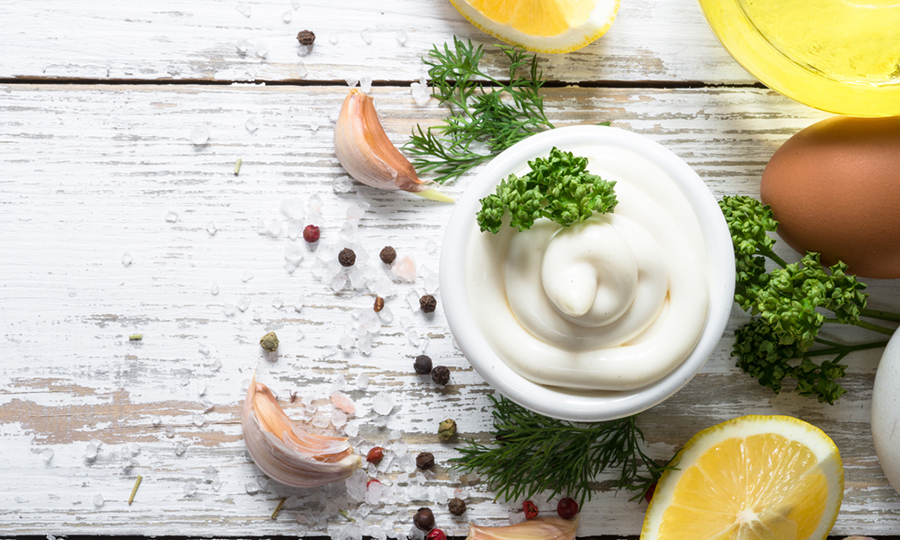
285 451
541 528
366 153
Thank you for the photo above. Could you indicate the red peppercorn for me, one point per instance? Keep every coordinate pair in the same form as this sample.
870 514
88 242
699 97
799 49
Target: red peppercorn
375 455
530 509
650 492
567 508
311 234
372 481
436 534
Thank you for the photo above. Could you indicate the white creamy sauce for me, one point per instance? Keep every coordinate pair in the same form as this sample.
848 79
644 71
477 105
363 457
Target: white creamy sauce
613 303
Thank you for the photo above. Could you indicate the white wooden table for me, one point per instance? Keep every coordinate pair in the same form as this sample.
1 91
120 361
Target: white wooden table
97 102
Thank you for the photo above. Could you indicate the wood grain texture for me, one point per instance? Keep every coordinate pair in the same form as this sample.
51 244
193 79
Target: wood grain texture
91 172
651 40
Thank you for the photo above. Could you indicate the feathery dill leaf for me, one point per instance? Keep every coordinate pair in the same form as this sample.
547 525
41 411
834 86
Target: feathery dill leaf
535 453
487 115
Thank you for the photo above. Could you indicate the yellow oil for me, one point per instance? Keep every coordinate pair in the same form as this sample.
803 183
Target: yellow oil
849 42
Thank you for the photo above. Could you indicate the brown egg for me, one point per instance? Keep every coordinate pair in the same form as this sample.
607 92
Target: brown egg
835 188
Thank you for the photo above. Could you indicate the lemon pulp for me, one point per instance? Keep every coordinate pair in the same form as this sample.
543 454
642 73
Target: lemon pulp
536 17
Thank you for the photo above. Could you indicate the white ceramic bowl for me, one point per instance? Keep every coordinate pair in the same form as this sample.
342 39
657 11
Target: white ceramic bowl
582 405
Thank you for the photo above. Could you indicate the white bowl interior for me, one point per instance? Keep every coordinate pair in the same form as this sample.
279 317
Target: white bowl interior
583 405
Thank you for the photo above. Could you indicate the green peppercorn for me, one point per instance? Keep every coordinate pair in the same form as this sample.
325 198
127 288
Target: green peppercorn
447 430
269 342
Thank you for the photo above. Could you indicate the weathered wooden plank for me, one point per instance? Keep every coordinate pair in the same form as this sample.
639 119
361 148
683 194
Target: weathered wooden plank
90 173
165 40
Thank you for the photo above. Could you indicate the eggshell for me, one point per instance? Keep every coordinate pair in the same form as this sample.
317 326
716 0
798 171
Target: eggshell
886 411
835 188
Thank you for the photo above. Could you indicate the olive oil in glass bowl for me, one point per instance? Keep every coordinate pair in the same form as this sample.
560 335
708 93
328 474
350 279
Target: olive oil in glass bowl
841 56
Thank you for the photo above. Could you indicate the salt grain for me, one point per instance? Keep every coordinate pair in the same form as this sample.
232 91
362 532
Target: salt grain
295 4
351 429
277 303
47 455
199 135
242 46
246 276
366 35
420 93
273 228
365 344
342 402
210 474
356 211
333 39
251 125
214 289
362 381
346 341
190 489
293 208
342 184
365 84
338 418
244 303
401 37
180 448
386 315
302 50
338 384
170 431
171 217
383 403
134 449
412 299
243 9
156 421
314 124
198 420
405 269
262 50
99 501
286 17
352 81
301 70
252 487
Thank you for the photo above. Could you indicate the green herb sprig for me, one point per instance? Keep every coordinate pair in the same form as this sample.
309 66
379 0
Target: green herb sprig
557 187
790 305
488 115
534 453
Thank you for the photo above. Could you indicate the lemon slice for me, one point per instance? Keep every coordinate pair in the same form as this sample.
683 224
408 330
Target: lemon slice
751 478
550 26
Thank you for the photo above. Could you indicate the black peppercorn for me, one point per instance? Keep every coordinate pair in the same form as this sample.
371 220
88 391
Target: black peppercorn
440 375
424 519
388 255
422 365
457 506
425 461
427 303
306 37
347 257
379 304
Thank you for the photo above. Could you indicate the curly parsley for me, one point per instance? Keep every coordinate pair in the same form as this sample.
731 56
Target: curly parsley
557 187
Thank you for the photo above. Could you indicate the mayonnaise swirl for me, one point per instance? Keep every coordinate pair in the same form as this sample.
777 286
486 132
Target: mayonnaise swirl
613 303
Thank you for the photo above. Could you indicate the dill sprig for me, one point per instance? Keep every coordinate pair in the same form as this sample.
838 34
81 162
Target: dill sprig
487 115
534 453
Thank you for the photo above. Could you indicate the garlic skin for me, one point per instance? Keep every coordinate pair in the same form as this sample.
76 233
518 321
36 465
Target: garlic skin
366 153
541 528
287 453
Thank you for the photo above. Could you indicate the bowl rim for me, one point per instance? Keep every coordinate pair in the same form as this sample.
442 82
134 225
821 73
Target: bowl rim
580 405
772 67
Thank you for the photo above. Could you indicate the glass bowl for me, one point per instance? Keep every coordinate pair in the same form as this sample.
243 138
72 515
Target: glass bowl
841 56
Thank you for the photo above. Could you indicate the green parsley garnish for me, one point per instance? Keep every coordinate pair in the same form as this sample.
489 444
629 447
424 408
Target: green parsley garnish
488 115
790 305
557 187
533 453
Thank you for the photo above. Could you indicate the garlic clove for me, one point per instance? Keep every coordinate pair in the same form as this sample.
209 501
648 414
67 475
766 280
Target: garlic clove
285 451
366 153
541 528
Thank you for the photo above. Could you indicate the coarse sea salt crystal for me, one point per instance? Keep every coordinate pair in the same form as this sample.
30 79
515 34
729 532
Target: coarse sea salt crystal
252 487
386 315
273 228
333 38
156 421
246 276
338 418
362 381
99 501
365 344
366 35
365 84
198 420
351 81
314 124
412 299
342 184
242 46
262 50
171 217
214 289
244 303
293 208
243 9
127 259
134 449
251 125
295 4
401 37
277 303
383 403
47 455
211 228
343 402
356 211
170 431
199 135
180 449
405 269
210 474
286 17
351 429
190 489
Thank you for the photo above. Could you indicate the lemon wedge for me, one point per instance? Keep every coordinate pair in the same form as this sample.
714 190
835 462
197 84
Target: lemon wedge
550 26
751 478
